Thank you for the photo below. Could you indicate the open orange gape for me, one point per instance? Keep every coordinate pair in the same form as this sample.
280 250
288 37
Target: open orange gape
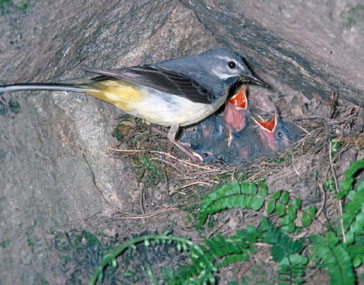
237 137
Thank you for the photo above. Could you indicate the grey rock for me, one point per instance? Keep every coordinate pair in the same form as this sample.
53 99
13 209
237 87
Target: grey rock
55 166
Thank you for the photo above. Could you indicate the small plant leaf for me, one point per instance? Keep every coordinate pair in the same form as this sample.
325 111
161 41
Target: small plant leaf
271 206
346 186
290 228
280 209
306 220
285 197
257 203
276 195
263 190
296 203
357 261
354 167
311 210
286 220
292 212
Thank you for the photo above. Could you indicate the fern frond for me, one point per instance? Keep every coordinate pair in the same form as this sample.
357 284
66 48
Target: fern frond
353 214
356 251
245 196
220 251
292 269
200 271
354 168
347 184
283 245
334 257
204 266
230 250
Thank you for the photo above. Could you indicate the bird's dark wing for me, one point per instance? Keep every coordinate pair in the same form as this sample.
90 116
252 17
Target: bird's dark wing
161 79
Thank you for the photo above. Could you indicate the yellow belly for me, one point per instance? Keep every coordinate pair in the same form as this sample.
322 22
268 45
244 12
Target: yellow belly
152 105
118 92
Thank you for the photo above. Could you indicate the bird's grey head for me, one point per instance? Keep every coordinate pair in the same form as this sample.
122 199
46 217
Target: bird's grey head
228 66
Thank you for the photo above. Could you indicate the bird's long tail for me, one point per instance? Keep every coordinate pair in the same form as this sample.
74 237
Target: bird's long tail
43 86
120 93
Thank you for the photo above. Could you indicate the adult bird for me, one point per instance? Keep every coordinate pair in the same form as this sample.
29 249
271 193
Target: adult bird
176 92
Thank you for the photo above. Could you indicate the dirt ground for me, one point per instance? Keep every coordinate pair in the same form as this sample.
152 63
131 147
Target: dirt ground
67 194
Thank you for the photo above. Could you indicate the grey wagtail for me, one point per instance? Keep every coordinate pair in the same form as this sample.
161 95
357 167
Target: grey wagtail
176 92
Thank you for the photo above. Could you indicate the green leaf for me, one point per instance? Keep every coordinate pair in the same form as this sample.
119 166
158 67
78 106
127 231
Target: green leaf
280 209
358 224
330 184
353 213
331 239
251 229
286 220
285 197
249 188
346 186
335 146
294 263
276 195
311 210
360 186
271 205
306 220
296 203
354 167
100 277
357 261
350 238
146 242
290 228
179 247
263 192
292 212
256 203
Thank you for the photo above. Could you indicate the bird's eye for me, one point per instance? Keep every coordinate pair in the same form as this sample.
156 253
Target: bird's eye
231 64
280 135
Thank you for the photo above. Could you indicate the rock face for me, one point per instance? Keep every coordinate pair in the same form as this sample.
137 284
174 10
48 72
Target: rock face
55 166
281 40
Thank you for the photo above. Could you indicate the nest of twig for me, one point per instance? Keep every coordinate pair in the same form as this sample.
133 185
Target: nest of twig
149 152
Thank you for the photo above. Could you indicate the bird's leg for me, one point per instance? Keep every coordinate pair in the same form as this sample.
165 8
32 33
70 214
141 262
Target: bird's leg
172 138
162 133
158 131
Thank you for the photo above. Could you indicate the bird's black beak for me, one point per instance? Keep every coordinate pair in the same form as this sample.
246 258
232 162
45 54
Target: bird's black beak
255 80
